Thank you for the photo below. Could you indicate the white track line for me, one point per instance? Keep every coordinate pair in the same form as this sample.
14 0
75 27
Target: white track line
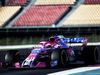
38 45
76 70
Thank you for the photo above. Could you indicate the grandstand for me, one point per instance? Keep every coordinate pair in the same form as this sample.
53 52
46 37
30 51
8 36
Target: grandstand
84 15
43 15
92 2
4 16
16 2
54 2
9 10
31 21
46 13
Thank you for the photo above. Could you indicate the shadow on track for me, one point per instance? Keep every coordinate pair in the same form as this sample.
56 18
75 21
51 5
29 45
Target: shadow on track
37 71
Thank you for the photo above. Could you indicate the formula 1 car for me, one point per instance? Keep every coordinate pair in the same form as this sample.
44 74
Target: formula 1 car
55 52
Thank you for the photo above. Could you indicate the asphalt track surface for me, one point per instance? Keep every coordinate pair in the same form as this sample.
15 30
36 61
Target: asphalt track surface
40 71
37 71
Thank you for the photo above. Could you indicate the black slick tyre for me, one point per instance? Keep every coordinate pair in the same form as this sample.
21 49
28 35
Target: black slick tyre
12 57
60 56
90 55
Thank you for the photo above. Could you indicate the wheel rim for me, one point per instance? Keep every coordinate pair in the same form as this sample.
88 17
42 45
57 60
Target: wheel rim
63 58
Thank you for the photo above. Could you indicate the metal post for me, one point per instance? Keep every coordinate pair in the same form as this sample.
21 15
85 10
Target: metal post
31 40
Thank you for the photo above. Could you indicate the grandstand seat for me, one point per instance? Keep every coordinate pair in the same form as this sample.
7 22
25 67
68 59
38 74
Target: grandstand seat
54 2
92 2
84 15
41 15
7 12
16 2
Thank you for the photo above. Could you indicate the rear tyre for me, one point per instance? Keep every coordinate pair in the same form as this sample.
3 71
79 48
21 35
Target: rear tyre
12 57
90 55
60 56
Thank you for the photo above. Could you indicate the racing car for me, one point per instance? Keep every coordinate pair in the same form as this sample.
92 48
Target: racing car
54 52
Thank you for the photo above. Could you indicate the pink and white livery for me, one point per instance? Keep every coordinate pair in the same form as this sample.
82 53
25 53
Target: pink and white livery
55 52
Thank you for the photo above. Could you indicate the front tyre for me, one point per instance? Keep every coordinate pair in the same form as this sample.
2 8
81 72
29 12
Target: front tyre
60 56
12 57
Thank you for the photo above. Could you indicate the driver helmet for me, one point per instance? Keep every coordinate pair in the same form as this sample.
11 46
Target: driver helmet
52 39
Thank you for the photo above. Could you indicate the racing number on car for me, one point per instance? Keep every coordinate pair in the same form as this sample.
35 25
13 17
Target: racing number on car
30 58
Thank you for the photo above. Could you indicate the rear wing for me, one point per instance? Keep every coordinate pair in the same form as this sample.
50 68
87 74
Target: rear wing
74 40
70 40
